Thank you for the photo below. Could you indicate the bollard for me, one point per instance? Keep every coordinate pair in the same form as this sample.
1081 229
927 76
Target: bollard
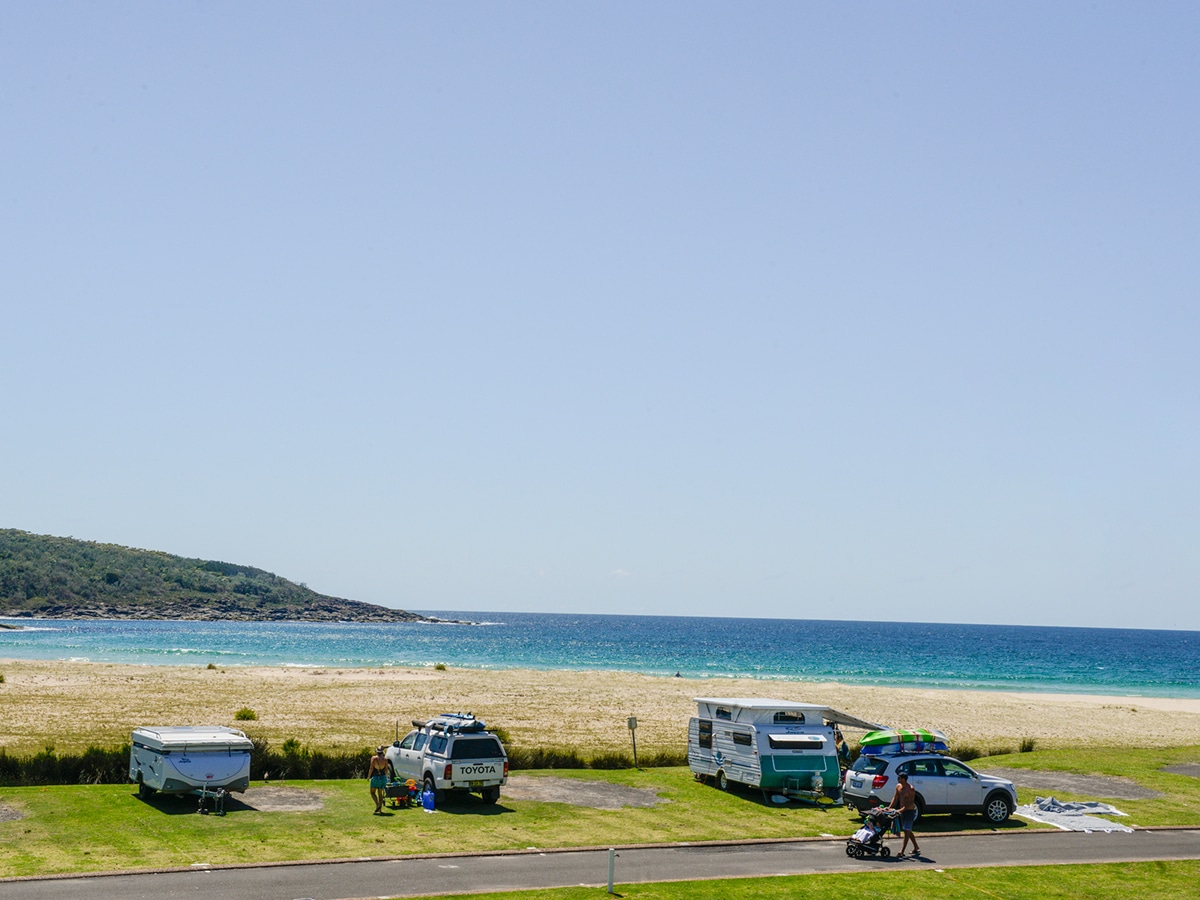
612 864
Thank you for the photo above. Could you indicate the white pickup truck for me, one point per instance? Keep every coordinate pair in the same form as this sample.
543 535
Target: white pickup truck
452 752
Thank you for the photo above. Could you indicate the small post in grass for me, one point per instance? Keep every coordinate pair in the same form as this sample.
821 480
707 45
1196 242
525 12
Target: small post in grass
633 736
612 864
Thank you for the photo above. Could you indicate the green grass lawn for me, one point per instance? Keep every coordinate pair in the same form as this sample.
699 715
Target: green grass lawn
1146 881
106 827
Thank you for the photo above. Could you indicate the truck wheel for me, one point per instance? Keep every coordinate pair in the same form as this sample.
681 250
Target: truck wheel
431 785
722 781
490 795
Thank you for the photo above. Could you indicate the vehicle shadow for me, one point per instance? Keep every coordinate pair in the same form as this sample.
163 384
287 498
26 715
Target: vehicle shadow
467 806
190 805
950 823
760 798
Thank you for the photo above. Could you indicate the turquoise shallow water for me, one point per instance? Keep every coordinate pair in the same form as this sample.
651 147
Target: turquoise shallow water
1129 662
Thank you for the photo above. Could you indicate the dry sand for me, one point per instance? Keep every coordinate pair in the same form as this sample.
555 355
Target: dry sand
71 705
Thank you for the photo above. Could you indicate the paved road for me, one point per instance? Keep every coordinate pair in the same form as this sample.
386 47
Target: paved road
413 877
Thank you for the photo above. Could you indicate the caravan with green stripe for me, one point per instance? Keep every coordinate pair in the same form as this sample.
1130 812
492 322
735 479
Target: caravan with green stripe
780 746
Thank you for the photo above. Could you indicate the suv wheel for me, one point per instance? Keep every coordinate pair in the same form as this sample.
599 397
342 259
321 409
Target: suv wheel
997 808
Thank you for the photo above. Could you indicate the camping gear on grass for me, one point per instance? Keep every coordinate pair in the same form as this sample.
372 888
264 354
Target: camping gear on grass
402 794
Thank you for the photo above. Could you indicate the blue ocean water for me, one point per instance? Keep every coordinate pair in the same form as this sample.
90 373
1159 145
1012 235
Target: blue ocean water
1128 662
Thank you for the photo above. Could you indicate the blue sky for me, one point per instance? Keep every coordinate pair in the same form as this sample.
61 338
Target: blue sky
863 311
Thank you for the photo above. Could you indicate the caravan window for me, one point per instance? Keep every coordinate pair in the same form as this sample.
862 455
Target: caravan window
788 717
704 733
742 739
724 712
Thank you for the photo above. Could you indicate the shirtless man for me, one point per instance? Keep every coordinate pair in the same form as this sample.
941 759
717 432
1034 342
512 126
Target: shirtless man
905 800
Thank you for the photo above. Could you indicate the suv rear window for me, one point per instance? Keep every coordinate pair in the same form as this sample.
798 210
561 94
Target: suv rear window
476 748
872 765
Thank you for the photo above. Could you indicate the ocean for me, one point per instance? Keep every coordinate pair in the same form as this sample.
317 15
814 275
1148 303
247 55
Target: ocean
1124 662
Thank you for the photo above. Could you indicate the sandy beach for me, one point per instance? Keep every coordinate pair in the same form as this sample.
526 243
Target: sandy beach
72 705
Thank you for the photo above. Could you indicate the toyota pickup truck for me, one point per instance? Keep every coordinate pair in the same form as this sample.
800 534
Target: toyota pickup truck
452 752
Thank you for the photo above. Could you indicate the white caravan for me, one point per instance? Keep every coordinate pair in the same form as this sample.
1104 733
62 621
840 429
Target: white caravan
188 759
779 746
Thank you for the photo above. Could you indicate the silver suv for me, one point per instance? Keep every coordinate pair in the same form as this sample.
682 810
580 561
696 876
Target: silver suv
453 752
943 785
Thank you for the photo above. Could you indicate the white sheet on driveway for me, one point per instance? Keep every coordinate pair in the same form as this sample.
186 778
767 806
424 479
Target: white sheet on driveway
1082 816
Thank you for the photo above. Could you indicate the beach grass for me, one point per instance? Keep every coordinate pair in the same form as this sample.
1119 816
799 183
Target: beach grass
1146 881
74 705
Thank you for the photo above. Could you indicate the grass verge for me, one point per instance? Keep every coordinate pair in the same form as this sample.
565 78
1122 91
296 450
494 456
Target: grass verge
1146 881
79 828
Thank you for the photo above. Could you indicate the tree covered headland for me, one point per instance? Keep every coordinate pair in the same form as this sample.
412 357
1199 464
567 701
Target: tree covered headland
64 578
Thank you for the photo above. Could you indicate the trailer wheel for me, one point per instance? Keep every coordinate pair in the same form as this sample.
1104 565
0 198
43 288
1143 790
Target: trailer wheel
144 792
722 781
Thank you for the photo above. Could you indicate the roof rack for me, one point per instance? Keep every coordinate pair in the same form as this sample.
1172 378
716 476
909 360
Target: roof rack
453 722
887 751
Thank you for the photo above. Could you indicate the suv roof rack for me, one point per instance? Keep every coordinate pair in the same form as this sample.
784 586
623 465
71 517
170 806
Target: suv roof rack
875 751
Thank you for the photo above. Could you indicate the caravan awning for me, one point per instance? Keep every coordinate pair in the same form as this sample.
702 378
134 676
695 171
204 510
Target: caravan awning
836 717
795 741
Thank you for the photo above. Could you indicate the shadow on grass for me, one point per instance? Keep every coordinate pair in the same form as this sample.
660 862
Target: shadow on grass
935 823
759 798
191 805
470 806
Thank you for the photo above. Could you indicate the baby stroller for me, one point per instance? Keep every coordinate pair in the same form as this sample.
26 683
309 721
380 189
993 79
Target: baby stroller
868 840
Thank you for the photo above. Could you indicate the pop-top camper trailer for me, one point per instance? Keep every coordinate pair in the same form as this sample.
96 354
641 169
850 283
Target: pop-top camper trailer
189 759
779 746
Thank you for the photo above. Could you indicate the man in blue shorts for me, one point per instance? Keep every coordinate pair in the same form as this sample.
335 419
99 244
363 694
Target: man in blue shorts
905 800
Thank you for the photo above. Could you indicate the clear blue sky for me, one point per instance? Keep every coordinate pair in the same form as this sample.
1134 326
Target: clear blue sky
863 311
